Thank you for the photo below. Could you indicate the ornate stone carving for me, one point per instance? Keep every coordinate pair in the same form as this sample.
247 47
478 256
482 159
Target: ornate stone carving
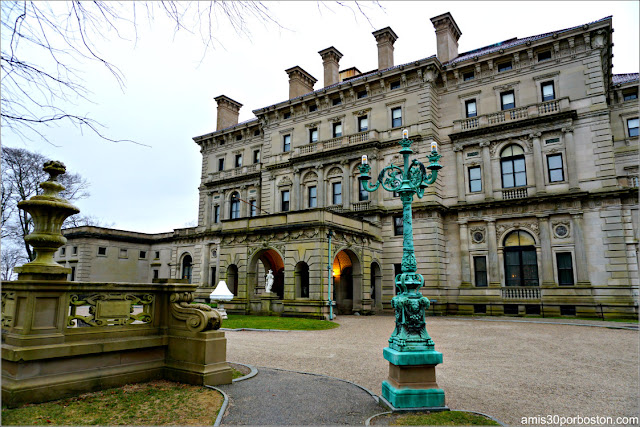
110 309
284 182
197 317
362 112
477 234
561 229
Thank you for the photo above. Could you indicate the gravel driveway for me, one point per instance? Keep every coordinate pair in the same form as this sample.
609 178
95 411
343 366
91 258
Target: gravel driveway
505 369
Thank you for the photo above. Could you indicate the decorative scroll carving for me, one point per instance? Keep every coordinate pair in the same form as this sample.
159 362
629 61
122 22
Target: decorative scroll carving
110 309
197 317
477 234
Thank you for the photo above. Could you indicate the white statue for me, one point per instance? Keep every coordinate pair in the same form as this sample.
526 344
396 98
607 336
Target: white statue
269 285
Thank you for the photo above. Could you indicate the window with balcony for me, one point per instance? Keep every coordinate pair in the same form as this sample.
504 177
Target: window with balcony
313 135
337 129
480 270
508 100
548 93
398 226
554 164
286 143
475 179
284 199
505 66
470 75
363 195
313 197
220 164
363 123
520 259
238 160
565 268
632 127
336 197
396 117
470 108
513 167
544 55
234 207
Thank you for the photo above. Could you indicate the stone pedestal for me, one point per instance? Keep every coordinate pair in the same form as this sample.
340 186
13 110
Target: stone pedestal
267 300
412 380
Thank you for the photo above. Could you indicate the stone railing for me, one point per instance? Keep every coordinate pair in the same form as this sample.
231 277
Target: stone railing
515 114
521 292
333 143
361 206
336 208
514 193
243 170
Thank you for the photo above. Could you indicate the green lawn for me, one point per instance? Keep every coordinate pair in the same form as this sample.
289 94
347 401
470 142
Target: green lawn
236 321
154 403
444 418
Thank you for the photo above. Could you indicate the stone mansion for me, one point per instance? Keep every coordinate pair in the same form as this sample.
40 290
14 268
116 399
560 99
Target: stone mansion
535 211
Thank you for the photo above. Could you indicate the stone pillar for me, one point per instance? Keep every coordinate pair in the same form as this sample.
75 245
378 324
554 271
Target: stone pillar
224 211
545 246
243 199
537 163
582 271
459 173
204 271
486 170
320 185
572 168
296 190
465 269
492 243
207 210
346 188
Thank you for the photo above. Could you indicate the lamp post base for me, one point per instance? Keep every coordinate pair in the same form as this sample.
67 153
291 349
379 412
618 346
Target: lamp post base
412 399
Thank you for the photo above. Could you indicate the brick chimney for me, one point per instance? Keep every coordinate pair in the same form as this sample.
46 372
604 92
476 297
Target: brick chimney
385 38
300 82
228 111
330 58
447 35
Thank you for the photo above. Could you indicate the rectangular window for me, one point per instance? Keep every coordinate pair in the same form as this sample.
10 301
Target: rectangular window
480 268
363 195
313 197
475 179
157 255
73 274
256 156
554 163
543 56
213 275
565 268
143 255
479 308
337 129
470 108
628 96
220 164
398 227
510 309
363 123
362 94
285 200
337 193
253 207
547 91
468 76
505 66
238 137
313 135
74 250
632 127
123 253
552 141
256 132
532 309
567 310
337 101
396 117
238 160
508 100
63 251
156 274
397 269
313 108
286 143
395 85
216 214
287 115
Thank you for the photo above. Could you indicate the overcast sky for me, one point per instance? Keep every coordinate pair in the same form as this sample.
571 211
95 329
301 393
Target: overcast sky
169 91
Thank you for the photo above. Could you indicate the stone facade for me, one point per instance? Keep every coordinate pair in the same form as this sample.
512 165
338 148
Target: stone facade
535 211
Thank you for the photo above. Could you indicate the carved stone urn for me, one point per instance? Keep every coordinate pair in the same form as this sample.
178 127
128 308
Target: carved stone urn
48 211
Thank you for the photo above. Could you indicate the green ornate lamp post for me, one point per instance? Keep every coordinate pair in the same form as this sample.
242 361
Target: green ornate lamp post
411 354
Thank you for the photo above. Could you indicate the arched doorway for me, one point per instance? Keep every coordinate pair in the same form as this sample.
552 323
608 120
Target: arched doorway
520 259
187 267
263 261
376 285
301 275
347 282
232 279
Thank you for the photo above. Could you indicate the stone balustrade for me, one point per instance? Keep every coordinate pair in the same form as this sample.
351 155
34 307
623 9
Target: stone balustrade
514 193
243 170
334 143
521 292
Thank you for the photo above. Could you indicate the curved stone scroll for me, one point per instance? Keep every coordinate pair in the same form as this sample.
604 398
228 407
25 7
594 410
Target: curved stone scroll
198 317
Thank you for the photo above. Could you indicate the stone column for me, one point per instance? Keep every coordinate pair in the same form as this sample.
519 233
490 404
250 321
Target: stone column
320 186
492 243
207 210
204 271
486 170
465 269
224 212
582 271
346 187
459 173
537 162
545 245
296 190
243 205
571 154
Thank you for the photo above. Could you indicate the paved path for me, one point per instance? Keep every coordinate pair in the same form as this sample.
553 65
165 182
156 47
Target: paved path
505 369
276 397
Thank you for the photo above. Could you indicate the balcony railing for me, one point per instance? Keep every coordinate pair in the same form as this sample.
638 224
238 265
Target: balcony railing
333 143
515 114
361 206
521 292
243 170
514 193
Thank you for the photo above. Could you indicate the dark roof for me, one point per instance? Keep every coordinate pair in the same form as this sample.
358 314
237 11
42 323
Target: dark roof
625 78
512 42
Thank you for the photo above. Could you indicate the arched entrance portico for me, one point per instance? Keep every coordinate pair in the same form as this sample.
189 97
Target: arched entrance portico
261 262
347 282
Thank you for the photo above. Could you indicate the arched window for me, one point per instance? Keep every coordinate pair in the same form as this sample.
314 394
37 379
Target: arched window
234 208
520 260
187 267
514 173
232 279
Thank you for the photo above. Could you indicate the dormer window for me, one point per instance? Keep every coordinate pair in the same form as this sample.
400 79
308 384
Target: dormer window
362 94
313 108
543 56
505 66
468 76
337 101
287 115
395 85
